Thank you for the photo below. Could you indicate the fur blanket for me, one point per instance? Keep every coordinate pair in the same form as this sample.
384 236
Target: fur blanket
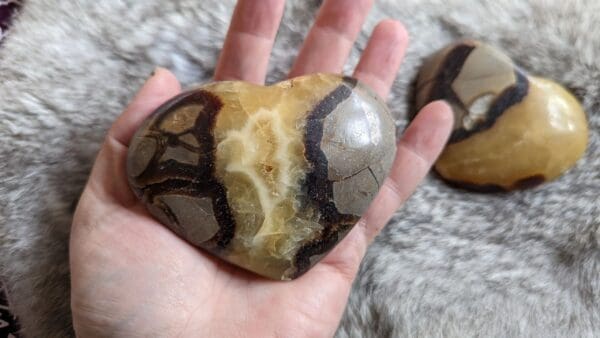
450 263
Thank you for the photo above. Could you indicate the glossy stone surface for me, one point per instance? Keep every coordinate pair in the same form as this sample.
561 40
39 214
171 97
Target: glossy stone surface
267 178
511 130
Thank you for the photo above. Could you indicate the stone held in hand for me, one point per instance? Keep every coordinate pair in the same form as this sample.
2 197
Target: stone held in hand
511 130
267 178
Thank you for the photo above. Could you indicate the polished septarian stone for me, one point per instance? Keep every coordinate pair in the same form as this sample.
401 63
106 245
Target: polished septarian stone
511 130
267 178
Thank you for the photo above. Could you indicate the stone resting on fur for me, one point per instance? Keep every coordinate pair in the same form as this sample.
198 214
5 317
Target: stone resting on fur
450 263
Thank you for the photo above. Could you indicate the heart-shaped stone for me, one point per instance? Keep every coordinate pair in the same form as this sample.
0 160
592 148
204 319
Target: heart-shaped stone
267 178
511 130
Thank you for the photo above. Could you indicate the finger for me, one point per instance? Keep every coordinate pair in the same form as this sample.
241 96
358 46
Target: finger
160 87
245 54
330 40
108 177
381 59
417 150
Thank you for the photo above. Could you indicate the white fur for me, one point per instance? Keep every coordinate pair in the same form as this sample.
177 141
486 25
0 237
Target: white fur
451 263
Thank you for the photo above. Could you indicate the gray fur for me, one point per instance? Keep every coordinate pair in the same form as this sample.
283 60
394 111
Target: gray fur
450 263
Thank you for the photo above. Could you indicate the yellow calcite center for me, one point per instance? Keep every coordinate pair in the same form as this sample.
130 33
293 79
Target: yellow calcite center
260 159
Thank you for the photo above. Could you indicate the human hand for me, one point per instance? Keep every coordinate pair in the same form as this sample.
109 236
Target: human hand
131 276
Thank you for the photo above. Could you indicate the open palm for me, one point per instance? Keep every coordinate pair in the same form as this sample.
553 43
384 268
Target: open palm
131 276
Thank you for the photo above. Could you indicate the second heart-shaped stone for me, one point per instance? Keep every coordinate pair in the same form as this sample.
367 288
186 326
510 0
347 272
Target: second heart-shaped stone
267 178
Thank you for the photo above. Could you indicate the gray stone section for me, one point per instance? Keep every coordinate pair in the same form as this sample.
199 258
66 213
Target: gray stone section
486 71
354 194
189 139
141 152
182 119
358 136
485 74
160 215
181 155
358 133
194 215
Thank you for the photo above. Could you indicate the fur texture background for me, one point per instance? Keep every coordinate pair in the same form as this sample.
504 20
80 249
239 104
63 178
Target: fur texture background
451 263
